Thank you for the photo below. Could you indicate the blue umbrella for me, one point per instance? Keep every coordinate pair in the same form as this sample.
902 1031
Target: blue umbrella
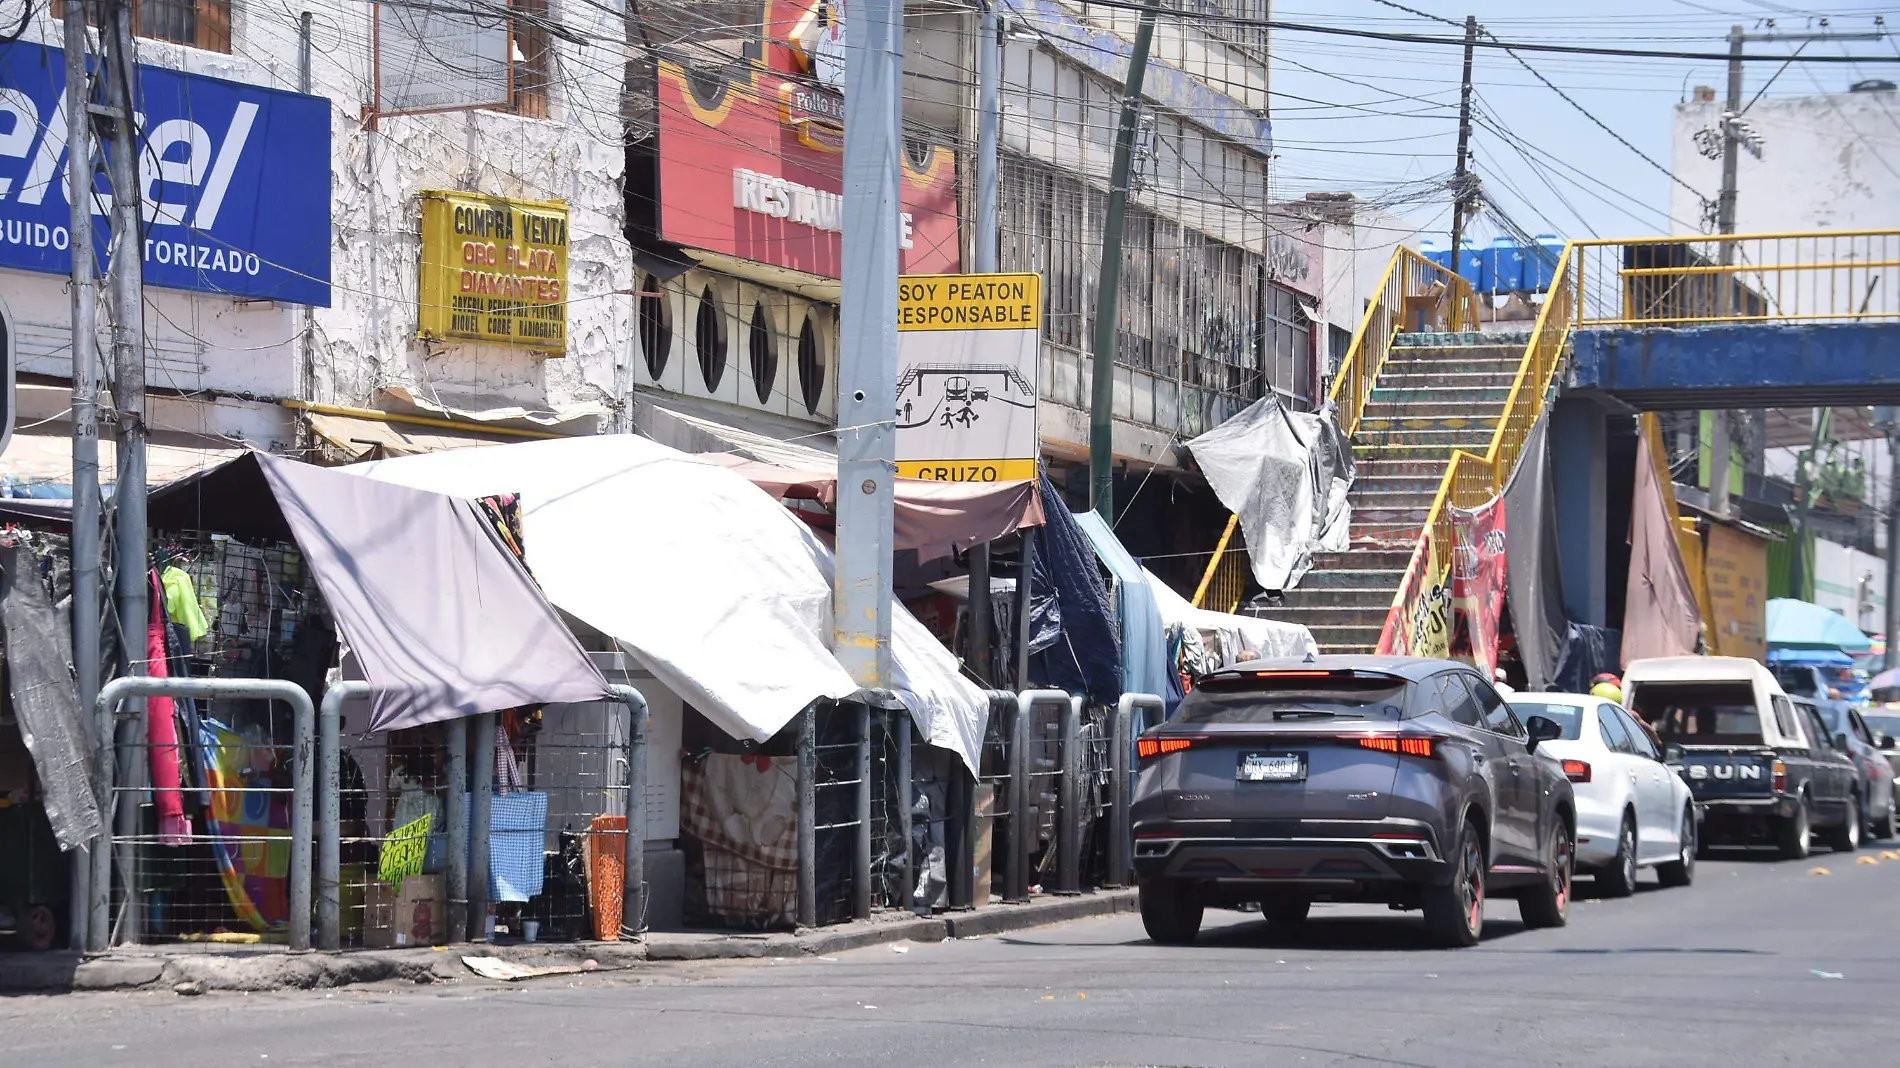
1810 657
1796 624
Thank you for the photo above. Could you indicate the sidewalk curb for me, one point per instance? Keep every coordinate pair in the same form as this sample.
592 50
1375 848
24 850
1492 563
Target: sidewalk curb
253 971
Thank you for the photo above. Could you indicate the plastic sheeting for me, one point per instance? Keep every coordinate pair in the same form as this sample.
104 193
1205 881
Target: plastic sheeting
1533 573
1285 474
1144 635
711 583
1227 638
1660 614
1087 658
40 675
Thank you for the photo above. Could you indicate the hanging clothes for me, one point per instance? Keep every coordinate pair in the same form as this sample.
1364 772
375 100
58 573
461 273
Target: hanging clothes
507 771
161 732
181 602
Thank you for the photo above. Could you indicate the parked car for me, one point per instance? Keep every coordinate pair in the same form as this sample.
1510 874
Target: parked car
1885 727
1633 810
1833 761
1873 774
1350 778
1745 751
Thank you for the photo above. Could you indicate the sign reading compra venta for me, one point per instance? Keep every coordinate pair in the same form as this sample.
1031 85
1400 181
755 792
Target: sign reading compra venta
235 179
494 270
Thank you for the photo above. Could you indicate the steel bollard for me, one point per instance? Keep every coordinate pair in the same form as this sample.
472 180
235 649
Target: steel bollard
1021 822
807 818
480 818
329 810
1122 784
861 852
302 772
633 892
1069 802
457 843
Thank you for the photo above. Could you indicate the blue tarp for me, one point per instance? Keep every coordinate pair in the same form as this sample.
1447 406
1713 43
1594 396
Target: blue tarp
1144 636
1087 658
1810 657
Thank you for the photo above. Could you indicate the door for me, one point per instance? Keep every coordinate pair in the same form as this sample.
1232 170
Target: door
1624 769
1658 823
1489 761
1833 769
1516 819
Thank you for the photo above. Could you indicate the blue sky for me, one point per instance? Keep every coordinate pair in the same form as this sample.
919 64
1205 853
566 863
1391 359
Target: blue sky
1549 165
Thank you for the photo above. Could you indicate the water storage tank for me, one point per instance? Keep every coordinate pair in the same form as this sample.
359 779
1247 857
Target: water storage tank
1429 249
1471 264
1504 265
1541 262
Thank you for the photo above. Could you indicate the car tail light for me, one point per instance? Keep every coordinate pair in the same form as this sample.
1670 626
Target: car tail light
1780 771
1576 771
1149 748
1409 745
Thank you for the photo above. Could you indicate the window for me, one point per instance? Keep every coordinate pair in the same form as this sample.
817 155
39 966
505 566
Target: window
1458 704
1819 739
1247 699
1568 718
1640 745
1288 347
530 71
1497 714
1859 727
1785 719
709 337
1616 737
811 367
202 24
656 327
1702 713
764 354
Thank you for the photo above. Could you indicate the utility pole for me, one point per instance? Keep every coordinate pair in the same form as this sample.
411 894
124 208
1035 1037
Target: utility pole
1804 499
867 373
1893 554
92 865
1108 285
128 401
1725 252
1461 197
988 74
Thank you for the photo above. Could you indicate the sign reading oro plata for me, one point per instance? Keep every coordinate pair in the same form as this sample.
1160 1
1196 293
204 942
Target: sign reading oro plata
494 270
968 348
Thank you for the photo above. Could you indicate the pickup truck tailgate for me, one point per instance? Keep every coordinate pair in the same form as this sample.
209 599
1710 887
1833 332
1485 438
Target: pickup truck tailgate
1720 773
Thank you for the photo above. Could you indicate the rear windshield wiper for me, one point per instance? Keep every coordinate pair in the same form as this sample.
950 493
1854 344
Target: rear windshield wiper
1309 713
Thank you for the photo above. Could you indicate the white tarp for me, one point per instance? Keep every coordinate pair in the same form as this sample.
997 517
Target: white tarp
1285 474
708 581
1226 638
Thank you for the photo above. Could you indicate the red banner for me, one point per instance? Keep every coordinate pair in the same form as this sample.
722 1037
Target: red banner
751 164
1477 584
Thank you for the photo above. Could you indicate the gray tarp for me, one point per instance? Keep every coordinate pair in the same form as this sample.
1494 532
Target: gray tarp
444 620
1285 474
40 675
1533 577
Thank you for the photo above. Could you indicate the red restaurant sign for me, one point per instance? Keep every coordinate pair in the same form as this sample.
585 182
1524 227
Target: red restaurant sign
751 163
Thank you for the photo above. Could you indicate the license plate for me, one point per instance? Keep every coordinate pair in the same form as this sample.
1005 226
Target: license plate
1271 767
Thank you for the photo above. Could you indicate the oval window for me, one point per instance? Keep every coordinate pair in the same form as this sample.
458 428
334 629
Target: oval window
811 367
656 327
709 336
763 348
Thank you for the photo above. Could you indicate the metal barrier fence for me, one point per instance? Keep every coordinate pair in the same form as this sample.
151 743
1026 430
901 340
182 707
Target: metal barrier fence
1822 276
1415 296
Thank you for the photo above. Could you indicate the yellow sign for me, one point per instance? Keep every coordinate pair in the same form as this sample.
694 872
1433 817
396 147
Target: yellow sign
967 470
494 270
969 302
1737 568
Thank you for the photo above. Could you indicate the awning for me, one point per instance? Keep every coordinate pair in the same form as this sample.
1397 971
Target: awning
362 438
38 461
443 619
709 582
1227 636
744 435
930 517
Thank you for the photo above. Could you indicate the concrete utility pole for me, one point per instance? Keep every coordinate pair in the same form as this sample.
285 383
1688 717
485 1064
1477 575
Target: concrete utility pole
1804 494
1461 197
867 371
1108 286
988 74
86 605
127 305
1892 626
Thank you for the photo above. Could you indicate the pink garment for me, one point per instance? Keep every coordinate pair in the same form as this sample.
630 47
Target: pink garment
161 733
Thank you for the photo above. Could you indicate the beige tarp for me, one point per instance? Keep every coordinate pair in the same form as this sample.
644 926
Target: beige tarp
1660 615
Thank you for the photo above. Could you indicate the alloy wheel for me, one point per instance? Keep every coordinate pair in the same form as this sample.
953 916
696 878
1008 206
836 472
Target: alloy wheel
1472 890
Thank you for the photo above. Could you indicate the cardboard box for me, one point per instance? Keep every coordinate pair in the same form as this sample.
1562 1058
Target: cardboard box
983 839
417 915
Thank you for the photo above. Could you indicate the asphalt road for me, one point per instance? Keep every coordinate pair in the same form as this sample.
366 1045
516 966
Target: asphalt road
1759 963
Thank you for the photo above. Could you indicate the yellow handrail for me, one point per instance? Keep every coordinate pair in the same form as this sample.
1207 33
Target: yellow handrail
1413 293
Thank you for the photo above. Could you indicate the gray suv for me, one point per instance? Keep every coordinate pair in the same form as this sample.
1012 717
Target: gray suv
1350 778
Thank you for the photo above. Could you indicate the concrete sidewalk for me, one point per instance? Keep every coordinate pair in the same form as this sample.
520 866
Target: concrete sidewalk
195 968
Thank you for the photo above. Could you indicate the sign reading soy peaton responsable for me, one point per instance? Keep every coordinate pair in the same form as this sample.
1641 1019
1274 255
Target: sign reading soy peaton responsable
494 270
967 348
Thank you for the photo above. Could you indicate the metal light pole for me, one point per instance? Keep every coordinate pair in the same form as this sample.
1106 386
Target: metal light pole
90 864
988 67
867 371
1107 290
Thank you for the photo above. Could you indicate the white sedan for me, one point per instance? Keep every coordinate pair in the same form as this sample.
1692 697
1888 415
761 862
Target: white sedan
1633 810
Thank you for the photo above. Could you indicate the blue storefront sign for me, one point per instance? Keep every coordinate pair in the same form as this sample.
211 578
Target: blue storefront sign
235 179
